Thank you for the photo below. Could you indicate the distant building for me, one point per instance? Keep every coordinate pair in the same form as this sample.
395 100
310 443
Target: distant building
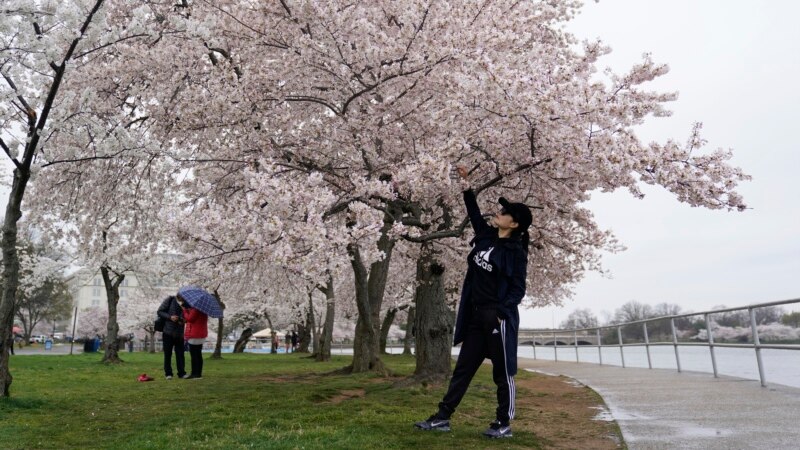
88 290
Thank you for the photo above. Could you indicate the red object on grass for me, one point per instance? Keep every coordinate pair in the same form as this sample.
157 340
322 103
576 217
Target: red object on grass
144 377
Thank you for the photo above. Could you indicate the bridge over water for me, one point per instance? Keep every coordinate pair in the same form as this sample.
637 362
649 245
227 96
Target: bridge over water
555 337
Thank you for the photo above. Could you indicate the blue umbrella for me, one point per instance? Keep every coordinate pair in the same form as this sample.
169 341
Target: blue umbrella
201 300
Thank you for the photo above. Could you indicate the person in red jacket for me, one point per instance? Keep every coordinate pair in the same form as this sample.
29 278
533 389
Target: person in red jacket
195 333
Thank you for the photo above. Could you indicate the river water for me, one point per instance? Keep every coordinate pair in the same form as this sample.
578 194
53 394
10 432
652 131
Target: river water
780 366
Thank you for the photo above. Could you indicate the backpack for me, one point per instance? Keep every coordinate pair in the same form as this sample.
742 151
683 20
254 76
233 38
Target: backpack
158 325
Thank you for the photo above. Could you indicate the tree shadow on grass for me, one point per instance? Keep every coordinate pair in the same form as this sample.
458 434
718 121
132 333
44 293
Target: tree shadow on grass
19 404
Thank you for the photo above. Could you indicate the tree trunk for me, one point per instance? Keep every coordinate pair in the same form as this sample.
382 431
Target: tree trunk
10 272
365 342
409 331
311 323
218 345
220 330
273 345
241 343
14 206
369 298
433 326
324 353
152 341
388 320
303 337
27 330
305 330
111 354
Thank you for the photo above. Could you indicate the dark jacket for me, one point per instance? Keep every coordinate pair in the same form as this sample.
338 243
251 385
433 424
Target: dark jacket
170 307
513 262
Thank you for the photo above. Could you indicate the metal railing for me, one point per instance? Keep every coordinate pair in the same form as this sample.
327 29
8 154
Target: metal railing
756 344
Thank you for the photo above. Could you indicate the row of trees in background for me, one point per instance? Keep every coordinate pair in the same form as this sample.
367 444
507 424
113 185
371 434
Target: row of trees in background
686 327
44 294
302 152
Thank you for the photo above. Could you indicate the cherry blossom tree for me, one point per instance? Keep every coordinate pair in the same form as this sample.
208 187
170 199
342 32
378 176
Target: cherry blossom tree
42 293
40 41
103 180
93 322
766 332
107 208
314 125
137 315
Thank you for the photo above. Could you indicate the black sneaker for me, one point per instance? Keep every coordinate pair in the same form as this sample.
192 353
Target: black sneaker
434 423
498 430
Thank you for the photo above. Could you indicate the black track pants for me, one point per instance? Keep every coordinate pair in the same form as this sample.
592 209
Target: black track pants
484 339
173 343
196 353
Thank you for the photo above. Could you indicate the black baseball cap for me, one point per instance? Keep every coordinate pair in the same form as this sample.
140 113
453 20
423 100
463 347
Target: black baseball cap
519 212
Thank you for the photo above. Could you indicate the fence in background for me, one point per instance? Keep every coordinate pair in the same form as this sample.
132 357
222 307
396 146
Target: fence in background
579 337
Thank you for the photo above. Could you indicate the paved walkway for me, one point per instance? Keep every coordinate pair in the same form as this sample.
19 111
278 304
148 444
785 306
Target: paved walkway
58 349
664 409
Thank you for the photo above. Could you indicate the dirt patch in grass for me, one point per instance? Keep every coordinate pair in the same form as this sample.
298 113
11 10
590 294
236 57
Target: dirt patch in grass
564 414
347 395
299 379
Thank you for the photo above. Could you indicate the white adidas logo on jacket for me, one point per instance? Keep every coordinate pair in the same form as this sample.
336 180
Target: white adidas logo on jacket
482 259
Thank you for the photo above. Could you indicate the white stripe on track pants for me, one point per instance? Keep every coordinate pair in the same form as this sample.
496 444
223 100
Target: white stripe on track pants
484 338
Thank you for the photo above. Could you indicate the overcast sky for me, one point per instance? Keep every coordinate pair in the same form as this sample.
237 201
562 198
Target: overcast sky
736 66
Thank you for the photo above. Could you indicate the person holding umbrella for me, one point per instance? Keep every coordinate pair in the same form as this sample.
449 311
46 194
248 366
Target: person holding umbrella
197 305
195 334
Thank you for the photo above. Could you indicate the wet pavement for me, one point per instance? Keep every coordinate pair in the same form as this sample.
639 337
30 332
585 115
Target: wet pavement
665 409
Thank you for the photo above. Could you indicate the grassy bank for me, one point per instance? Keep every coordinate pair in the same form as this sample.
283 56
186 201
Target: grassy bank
243 401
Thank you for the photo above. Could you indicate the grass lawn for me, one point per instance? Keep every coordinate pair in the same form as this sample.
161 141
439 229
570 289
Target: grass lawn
243 401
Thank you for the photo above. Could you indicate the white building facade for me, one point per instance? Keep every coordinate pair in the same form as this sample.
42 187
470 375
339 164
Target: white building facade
89 292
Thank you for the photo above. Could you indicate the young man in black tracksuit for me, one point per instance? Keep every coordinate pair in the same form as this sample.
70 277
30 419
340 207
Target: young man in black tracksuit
488 317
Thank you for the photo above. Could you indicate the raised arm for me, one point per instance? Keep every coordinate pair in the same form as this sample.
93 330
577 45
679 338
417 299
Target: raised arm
474 212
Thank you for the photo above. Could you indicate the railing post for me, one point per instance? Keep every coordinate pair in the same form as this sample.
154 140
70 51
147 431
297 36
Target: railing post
647 345
575 341
711 346
555 346
621 352
599 347
675 343
757 346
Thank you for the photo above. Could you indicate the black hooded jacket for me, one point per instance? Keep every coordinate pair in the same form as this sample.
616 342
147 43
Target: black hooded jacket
170 307
512 261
